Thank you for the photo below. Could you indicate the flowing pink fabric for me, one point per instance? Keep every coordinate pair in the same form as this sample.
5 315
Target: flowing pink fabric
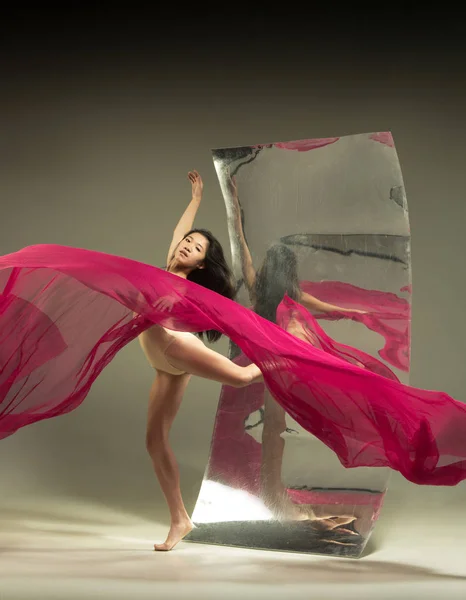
306 145
387 314
384 137
83 315
235 457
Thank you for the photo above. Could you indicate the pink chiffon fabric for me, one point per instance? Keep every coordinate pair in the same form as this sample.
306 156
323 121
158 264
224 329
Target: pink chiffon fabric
386 314
236 456
66 312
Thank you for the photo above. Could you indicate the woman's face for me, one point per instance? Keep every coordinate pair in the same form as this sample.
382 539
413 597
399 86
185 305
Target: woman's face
191 251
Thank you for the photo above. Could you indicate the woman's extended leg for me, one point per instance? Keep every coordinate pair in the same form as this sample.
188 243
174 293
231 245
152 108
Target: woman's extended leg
189 354
165 398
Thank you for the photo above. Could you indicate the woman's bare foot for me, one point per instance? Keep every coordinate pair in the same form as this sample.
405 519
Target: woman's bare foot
328 522
304 512
331 523
177 532
284 509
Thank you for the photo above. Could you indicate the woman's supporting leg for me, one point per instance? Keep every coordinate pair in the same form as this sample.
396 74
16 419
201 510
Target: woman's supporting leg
273 491
272 450
187 354
165 399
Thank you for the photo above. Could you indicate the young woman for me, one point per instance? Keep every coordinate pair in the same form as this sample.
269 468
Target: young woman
66 312
196 255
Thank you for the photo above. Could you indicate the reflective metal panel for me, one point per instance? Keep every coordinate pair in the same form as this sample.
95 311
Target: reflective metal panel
336 207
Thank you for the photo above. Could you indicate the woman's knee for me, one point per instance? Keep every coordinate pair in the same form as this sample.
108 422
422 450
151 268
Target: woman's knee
156 441
242 378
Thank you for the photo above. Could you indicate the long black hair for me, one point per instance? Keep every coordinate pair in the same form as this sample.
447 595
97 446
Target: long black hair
216 275
277 276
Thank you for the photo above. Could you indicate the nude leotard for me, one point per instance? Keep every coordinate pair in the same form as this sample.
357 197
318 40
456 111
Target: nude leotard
155 342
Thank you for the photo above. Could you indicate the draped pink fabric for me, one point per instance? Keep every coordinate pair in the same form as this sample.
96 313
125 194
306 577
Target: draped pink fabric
235 456
306 145
387 314
78 313
384 137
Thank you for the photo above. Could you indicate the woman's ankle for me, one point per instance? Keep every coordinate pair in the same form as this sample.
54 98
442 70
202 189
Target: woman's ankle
180 518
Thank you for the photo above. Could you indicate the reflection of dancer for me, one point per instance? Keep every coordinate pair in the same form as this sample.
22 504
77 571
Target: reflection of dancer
387 314
267 287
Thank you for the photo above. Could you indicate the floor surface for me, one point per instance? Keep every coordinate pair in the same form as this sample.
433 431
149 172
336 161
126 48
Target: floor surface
65 549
